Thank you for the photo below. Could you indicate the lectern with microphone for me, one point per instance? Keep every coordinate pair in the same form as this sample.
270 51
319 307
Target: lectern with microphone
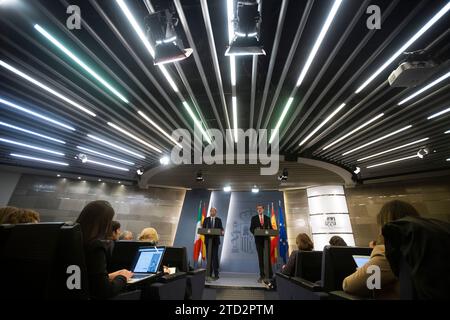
266 233
211 233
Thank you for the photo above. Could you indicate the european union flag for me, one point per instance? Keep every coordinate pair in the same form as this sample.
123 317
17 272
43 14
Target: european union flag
283 235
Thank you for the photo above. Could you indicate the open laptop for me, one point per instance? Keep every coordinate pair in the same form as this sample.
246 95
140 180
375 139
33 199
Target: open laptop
360 260
146 263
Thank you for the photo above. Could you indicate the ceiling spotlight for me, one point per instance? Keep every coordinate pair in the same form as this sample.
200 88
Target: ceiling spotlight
164 160
58 175
422 153
83 157
99 180
161 32
227 188
79 178
246 23
140 172
255 189
284 175
199 177
357 170
120 182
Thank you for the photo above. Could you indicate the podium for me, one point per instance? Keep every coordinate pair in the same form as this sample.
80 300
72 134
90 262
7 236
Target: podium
211 232
266 233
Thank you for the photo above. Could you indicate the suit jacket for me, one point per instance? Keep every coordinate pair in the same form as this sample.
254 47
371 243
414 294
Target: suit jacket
255 223
207 223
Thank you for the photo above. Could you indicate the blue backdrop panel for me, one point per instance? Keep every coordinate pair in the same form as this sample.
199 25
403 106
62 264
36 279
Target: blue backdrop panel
238 248
185 234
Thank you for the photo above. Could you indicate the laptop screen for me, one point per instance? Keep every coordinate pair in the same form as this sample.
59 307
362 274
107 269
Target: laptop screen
148 260
361 260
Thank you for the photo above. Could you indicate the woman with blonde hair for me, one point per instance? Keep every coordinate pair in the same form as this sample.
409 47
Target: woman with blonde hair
9 215
149 235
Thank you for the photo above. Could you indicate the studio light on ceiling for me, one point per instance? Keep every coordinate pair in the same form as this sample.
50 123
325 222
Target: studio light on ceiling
324 122
422 153
393 149
29 146
46 88
425 88
244 24
161 32
284 175
164 160
392 161
7 125
377 140
319 40
35 114
357 170
139 172
21 156
402 49
104 155
134 137
438 114
365 124
83 65
115 146
199 177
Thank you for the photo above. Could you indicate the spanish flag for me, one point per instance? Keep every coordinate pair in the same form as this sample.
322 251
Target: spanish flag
273 240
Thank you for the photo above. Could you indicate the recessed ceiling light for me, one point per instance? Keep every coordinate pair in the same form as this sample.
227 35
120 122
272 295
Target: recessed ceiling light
35 114
377 140
365 124
105 155
58 175
255 189
99 180
164 160
21 156
324 122
392 149
129 134
400 51
227 188
46 88
30 132
440 113
425 88
79 178
69 53
392 161
29 146
447 132
115 146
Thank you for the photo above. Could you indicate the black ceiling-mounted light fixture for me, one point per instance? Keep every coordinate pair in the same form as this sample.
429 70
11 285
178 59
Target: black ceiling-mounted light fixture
199 177
246 26
284 175
161 33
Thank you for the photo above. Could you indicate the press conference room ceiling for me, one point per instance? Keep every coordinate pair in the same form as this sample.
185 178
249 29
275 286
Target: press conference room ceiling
375 130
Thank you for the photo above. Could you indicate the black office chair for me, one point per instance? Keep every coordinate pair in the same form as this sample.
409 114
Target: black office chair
308 265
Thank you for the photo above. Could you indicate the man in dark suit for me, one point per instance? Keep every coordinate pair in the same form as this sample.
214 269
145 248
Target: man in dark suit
261 221
213 222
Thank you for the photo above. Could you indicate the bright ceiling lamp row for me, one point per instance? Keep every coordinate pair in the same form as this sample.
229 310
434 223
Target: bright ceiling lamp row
414 38
230 18
135 25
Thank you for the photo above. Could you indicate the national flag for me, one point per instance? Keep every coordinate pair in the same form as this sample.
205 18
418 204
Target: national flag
282 234
273 240
198 242
203 237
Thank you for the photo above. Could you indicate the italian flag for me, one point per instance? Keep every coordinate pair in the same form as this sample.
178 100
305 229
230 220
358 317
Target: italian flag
273 240
199 243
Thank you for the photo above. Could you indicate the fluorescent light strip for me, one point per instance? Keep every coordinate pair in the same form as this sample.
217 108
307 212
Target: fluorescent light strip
38 159
132 136
324 122
115 146
319 40
106 165
105 155
230 17
37 115
377 140
143 115
428 86
447 132
145 41
197 123
29 146
233 70
400 51
392 161
365 124
440 113
280 121
235 124
79 62
46 88
393 149
30 132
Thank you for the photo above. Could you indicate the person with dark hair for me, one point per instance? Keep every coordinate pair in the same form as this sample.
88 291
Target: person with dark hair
337 241
263 222
356 283
115 230
304 243
95 221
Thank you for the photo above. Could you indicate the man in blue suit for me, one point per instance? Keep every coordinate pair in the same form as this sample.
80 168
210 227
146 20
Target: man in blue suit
213 222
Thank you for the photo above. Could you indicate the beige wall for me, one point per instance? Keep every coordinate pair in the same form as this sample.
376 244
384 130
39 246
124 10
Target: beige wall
297 215
430 197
